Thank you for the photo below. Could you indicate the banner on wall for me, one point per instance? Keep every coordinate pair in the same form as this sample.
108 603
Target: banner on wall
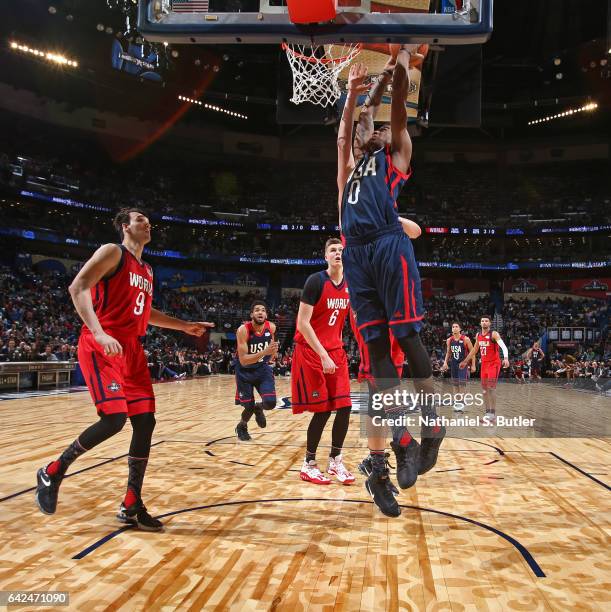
592 287
524 285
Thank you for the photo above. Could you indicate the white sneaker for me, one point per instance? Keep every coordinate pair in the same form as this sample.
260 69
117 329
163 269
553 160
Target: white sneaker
310 473
338 469
458 408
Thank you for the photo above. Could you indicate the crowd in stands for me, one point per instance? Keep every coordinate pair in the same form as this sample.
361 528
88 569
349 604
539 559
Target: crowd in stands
452 194
200 242
38 323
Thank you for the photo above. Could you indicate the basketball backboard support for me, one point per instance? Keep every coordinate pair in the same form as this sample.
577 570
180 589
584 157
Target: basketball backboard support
357 21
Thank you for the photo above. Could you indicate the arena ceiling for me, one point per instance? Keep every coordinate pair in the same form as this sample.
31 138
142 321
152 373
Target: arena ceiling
532 44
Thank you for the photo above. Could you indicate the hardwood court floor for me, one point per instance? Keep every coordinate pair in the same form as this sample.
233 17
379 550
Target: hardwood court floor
499 524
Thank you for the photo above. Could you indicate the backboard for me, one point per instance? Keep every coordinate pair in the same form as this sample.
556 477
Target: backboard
439 22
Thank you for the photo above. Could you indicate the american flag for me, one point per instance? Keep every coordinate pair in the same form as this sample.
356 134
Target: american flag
190 6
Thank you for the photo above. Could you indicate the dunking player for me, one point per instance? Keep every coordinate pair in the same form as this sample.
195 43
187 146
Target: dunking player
380 266
396 354
320 382
256 348
536 356
458 346
488 342
113 294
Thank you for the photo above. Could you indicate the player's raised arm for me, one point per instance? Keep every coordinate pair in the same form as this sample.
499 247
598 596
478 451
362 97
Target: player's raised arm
102 263
193 328
244 357
345 157
365 125
470 356
444 367
304 327
413 230
401 143
497 338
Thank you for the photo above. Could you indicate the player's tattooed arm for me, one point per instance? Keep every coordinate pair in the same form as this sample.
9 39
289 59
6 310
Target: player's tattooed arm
248 359
365 125
193 328
307 331
345 157
412 229
101 264
470 356
444 367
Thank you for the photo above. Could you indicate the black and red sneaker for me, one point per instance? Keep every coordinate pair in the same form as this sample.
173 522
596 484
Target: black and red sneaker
47 490
408 458
137 516
431 439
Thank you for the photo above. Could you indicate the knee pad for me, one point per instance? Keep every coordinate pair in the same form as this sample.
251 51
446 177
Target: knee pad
417 357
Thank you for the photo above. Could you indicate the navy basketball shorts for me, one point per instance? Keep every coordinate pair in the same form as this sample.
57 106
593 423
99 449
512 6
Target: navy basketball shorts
247 380
459 376
384 285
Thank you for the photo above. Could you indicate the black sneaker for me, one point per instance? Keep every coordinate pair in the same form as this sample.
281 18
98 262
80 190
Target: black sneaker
242 432
47 489
429 448
378 485
407 463
365 467
260 417
138 516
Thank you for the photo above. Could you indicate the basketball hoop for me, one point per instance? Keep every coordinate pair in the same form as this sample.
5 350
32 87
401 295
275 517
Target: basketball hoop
316 69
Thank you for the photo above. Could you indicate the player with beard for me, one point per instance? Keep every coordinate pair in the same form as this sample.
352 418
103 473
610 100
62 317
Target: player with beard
113 295
381 269
256 348
488 342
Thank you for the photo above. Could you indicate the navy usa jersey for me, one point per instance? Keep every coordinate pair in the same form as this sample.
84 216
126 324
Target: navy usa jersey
369 201
458 349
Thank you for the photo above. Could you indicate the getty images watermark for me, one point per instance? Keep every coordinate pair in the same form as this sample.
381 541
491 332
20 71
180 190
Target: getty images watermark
395 408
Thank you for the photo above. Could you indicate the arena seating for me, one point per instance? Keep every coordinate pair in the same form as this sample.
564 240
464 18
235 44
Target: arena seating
38 322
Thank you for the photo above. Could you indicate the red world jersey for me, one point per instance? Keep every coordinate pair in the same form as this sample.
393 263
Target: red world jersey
331 304
123 300
488 349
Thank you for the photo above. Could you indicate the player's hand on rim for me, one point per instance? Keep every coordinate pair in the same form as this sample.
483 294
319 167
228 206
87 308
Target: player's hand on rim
328 365
356 78
111 347
196 328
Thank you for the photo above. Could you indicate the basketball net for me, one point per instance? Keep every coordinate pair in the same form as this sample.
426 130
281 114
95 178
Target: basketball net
316 70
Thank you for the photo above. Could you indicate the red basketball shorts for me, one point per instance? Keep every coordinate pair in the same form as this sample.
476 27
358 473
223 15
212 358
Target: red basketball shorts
314 391
490 374
117 384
